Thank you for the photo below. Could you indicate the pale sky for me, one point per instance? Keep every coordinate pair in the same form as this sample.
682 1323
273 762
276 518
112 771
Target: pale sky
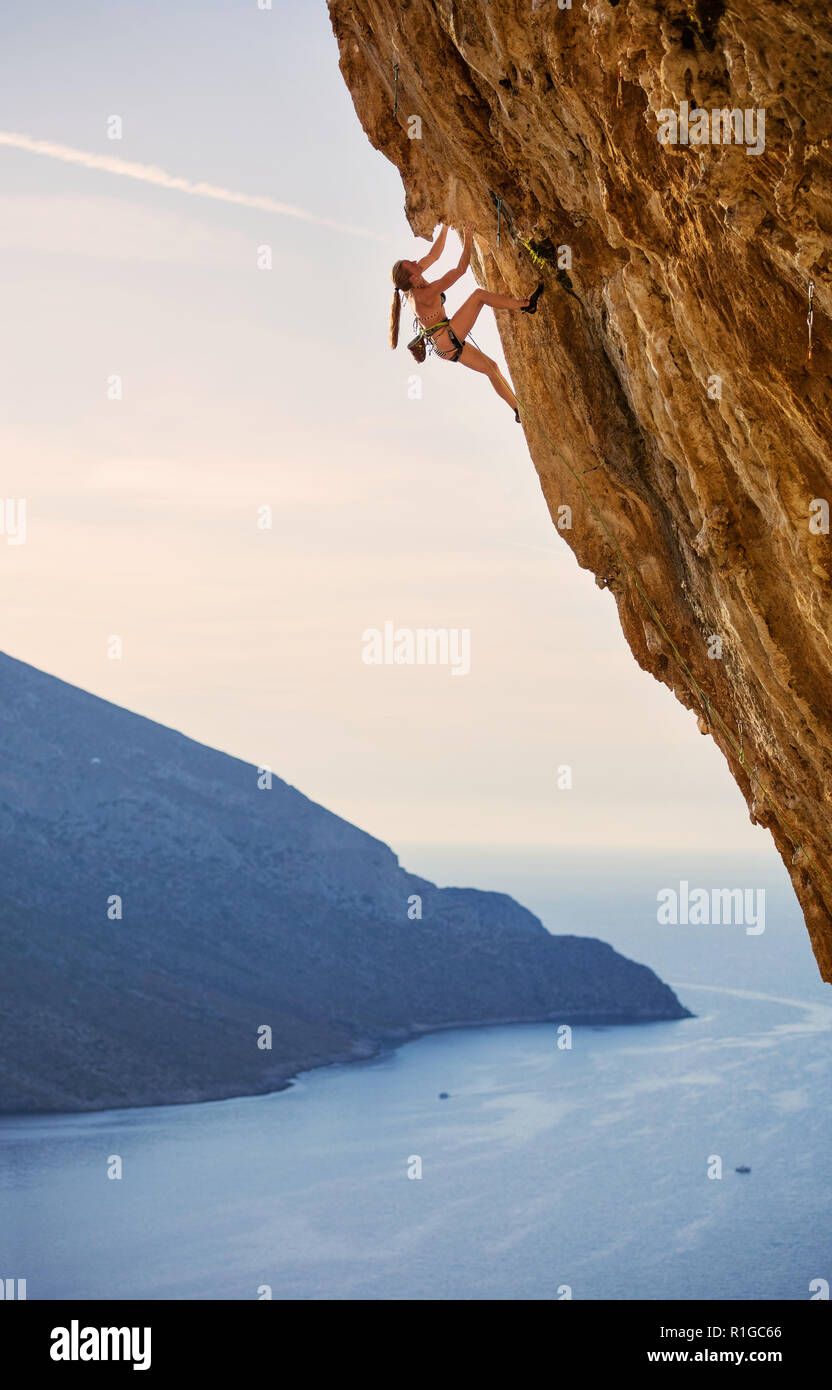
245 387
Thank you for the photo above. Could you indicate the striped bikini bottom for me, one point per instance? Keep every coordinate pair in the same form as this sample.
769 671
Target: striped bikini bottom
452 354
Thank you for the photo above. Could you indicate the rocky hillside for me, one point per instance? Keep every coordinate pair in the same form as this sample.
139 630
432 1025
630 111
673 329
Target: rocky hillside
159 907
668 395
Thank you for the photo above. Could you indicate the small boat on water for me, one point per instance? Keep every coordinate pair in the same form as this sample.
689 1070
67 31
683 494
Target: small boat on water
742 1169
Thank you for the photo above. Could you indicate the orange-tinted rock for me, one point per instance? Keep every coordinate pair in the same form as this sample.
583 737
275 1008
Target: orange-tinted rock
673 348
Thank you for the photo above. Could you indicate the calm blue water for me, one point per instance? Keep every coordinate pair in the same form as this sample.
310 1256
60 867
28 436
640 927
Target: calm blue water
544 1168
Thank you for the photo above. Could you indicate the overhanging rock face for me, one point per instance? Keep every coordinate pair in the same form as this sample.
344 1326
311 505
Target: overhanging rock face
672 344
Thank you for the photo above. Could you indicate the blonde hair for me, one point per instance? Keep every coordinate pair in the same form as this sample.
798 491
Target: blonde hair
400 276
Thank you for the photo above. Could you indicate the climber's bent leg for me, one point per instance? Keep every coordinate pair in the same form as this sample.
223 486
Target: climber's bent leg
466 316
478 362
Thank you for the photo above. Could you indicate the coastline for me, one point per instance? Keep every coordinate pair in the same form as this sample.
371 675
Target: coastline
364 1050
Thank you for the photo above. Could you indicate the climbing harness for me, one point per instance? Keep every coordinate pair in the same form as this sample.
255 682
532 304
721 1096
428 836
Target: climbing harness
425 335
456 350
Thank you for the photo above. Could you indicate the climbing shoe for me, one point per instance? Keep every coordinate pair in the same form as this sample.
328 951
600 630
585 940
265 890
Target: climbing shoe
531 307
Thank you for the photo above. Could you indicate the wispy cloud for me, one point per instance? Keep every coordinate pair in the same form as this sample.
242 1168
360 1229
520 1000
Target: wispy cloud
149 173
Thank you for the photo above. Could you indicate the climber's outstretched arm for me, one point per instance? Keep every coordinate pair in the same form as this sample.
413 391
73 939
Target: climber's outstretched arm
452 276
435 251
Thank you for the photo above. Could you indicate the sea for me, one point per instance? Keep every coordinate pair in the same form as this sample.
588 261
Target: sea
517 1162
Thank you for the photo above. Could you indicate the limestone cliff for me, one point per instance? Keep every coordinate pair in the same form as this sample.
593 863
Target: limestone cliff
671 358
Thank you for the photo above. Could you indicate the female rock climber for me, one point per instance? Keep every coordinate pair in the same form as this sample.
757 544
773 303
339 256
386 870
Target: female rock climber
447 336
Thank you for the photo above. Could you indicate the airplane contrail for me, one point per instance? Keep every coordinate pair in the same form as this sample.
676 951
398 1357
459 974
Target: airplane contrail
149 173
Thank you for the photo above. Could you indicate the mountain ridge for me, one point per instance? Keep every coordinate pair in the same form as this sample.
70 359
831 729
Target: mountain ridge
241 908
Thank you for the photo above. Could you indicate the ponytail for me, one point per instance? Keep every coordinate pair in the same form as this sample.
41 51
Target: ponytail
395 315
401 278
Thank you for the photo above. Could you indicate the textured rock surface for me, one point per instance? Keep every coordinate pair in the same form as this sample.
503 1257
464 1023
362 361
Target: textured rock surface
241 906
687 263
